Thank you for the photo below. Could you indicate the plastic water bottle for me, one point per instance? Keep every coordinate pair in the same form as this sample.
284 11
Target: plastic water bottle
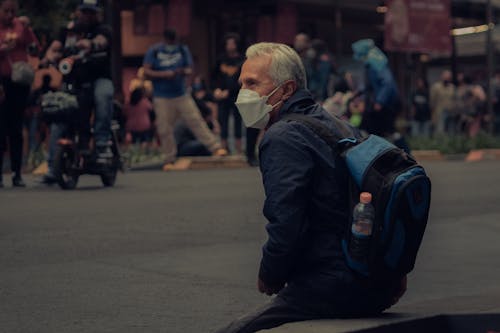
361 228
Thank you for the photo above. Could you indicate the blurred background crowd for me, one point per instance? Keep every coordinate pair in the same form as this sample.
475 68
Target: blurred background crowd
441 57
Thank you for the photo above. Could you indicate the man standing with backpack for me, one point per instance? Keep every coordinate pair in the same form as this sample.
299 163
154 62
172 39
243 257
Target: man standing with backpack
167 64
382 98
307 201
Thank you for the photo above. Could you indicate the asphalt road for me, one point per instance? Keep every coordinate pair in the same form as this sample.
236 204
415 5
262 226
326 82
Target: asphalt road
179 252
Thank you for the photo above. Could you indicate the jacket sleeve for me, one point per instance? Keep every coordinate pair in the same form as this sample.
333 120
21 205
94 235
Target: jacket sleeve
386 86
287 168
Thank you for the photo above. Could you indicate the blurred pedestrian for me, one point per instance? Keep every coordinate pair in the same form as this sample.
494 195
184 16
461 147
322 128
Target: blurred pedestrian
206 102
302 45
381 92
226 89
470 107
86 35
167 64
16 77
321 70
187 143
442 101
420 110
496 103
138 123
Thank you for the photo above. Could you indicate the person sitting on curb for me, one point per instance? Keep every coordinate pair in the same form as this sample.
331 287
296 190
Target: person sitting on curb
306 205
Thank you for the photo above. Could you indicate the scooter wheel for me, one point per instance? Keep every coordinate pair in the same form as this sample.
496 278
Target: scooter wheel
64 161
108 178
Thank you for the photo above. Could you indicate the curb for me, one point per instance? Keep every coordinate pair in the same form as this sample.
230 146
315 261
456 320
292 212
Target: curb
473 156
428 155
198 163
483 155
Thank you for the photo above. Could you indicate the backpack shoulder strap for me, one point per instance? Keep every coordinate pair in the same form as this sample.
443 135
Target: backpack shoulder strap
338 142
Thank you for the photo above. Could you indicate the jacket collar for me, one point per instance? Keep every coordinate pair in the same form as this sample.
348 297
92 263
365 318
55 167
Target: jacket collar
299 102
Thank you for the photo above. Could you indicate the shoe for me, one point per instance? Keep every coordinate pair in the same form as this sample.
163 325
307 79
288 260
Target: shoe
253 162
180 164
48 179
18 182
220 152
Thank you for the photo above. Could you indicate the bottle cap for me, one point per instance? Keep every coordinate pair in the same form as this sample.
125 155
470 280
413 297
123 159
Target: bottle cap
365 197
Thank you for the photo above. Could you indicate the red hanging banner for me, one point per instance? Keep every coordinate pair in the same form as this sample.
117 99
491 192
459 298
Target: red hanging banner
179 16
286 23
418 26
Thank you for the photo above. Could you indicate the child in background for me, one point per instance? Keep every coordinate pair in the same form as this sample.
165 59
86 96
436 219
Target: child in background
138 123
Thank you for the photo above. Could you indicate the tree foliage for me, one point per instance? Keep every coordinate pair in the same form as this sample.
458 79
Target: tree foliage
48 16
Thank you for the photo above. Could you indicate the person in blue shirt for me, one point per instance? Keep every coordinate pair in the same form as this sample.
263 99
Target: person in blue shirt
306 204
167 65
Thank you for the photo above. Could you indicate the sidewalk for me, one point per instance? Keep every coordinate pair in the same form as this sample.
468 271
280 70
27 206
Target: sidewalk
405 313
239 161
473 156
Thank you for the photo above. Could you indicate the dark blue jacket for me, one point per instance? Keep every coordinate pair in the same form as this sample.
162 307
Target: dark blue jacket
306 206
381 83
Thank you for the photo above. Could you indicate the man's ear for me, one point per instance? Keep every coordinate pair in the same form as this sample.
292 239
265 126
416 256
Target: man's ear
289 88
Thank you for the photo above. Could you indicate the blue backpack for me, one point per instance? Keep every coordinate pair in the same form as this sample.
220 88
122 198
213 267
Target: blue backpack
401 195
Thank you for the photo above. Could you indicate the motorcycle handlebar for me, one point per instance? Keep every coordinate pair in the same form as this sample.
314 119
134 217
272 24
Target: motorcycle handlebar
66 65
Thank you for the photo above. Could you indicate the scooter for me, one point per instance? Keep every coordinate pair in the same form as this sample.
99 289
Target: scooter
72 158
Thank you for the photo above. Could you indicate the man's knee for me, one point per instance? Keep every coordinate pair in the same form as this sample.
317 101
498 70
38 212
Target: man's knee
103 91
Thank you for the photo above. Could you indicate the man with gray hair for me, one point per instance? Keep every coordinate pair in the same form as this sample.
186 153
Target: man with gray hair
306 186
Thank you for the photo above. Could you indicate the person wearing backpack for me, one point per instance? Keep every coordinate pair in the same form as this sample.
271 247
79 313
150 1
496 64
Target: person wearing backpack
167 65
307 202
382 99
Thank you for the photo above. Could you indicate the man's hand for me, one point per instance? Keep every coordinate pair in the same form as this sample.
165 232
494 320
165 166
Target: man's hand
377 107
100 42
53 53
168 74
268 290
399 290
220 94
84 44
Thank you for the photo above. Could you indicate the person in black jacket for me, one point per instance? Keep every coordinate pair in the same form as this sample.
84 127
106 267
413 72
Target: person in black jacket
226 89
306 188
88 36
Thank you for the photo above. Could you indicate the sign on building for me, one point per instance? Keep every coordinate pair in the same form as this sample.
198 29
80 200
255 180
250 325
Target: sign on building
418 26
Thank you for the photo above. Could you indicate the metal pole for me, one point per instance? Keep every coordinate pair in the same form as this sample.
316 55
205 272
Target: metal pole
489 55
338 31
114 20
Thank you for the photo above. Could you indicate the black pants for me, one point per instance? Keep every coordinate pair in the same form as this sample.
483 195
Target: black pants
299 302
227 108
11 122
275 313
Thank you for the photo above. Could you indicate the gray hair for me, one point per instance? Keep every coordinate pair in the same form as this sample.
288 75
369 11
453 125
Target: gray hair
285 62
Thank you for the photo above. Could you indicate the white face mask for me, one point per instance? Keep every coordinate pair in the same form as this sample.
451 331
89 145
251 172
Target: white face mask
253 108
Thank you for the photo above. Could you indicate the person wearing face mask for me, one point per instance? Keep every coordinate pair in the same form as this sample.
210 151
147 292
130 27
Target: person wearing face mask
167 65
306 202
442 101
